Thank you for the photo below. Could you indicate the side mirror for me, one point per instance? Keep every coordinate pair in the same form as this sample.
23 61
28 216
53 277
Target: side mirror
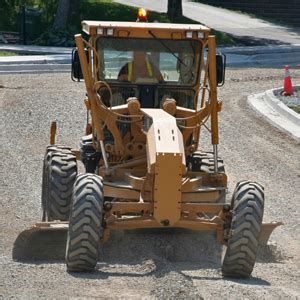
221 66
76 73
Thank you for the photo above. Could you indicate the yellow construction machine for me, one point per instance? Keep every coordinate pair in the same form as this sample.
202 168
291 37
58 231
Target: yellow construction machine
150 88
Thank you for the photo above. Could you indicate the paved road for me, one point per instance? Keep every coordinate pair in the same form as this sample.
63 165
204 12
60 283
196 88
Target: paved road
237 24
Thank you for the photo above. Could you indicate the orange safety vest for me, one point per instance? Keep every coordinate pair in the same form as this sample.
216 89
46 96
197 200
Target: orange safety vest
149 69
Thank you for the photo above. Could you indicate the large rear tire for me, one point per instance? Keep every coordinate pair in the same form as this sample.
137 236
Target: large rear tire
201 161
59 173
247 215
204 162
85 227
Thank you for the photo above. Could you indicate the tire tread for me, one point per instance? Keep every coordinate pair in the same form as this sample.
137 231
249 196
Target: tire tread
59 174
248 205
85 227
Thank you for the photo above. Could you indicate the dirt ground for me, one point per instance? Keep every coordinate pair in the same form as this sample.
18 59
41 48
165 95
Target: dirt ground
144 264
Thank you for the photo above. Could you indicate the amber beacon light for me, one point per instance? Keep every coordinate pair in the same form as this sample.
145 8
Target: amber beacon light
142 15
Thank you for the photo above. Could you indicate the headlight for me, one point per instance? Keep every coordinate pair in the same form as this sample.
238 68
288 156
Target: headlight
189 34
110 31
100 31
200 35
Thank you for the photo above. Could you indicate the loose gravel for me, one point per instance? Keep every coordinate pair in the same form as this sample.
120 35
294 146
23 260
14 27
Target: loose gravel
147 264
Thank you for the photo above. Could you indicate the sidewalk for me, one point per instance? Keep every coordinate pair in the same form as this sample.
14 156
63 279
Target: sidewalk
237 24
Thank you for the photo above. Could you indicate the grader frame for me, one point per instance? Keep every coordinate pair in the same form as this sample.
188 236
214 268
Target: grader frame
175 197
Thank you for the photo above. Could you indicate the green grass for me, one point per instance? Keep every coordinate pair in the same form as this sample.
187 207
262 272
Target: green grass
295 108
7 53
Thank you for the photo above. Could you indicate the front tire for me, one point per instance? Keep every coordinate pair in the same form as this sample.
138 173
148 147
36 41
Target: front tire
247 215
85 227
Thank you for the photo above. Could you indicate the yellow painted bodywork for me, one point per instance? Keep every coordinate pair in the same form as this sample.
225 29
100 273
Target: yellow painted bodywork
136 29
147 180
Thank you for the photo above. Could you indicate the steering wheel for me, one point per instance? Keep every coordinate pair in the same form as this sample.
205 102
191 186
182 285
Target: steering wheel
104 91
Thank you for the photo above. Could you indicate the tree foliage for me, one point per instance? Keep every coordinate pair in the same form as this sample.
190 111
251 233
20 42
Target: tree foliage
11 13
60 19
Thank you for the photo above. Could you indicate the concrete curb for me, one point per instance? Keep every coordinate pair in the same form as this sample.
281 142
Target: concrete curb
36 72
33 50
281 107
35 64
276 113
35 59
35 68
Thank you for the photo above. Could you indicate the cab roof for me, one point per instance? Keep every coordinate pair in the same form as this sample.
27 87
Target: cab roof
141 28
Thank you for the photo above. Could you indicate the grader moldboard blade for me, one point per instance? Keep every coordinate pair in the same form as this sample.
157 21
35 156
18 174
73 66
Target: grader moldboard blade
43 241
266 231
47 240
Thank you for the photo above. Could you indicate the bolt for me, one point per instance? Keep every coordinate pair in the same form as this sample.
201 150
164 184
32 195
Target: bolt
226 207
165 222
107 206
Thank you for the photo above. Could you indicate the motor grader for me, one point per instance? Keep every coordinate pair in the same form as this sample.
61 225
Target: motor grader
145 167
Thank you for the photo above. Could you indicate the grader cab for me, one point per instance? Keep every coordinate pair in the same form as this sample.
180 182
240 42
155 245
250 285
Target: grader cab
151 88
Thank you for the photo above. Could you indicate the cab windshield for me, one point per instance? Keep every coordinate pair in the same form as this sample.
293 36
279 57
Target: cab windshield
148 61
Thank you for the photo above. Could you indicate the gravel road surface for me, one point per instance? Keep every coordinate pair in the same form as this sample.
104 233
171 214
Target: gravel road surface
146 264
